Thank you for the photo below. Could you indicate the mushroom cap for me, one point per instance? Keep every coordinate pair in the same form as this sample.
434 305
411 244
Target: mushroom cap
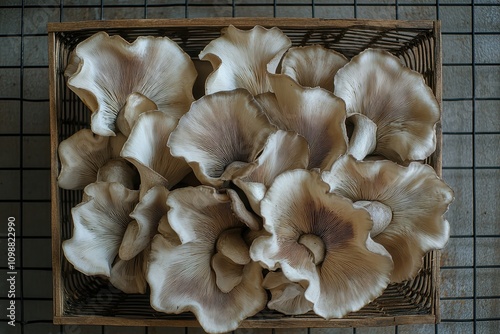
110 69
312 65
284 150
417 197
363 138
286 296
181 275
81 156
376 84
314 113
135 105
146 217
146 148
99 224
353 271
130 275
119 170
218 130
242 58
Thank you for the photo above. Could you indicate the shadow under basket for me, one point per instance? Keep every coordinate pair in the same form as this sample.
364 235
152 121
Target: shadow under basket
80 299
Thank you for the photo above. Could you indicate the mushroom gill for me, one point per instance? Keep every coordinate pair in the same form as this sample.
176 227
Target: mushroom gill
81 156
242 58
182 275
218 130
146 149
322 241
414 198
312 65
104 70
404 109
314 113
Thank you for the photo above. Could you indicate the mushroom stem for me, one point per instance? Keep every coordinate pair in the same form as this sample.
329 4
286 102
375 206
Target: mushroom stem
381 215
364 136
314 245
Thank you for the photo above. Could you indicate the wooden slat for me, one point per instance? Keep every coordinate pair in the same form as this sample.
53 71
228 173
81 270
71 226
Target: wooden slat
54 142
239 22
287 322
438 164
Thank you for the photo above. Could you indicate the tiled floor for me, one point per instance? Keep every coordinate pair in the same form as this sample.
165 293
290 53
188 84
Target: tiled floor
470 287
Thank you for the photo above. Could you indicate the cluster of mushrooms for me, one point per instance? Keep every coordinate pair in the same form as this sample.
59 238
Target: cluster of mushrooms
296 182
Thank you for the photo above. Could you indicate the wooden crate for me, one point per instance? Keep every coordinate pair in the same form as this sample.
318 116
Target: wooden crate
79 299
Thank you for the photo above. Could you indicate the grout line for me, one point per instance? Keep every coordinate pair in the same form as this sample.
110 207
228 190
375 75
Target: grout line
474 188
21 164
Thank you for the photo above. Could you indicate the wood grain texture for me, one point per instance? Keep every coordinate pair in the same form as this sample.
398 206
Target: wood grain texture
238 22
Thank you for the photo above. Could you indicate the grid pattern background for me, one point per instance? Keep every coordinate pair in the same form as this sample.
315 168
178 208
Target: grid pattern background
470 267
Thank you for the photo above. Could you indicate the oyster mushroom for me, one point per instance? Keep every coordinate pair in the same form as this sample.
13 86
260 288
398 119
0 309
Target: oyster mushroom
99 224
82 155
321 240
312 65
104 70
286 296
135 105
119 170
284 150
407 205
362 134
146 148
242 58
182 273
130 275
144 225
218 130
314 113
376 84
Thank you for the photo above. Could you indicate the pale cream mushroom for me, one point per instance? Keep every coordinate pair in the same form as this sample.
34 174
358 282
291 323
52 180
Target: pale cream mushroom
99 224
407 205
144 222
242 58
312 65
104 70
314 113
182 269
323 242
130 275
135 105
286 296
82 155
146 148
404 109
119 170
362 134
284 150
218 130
